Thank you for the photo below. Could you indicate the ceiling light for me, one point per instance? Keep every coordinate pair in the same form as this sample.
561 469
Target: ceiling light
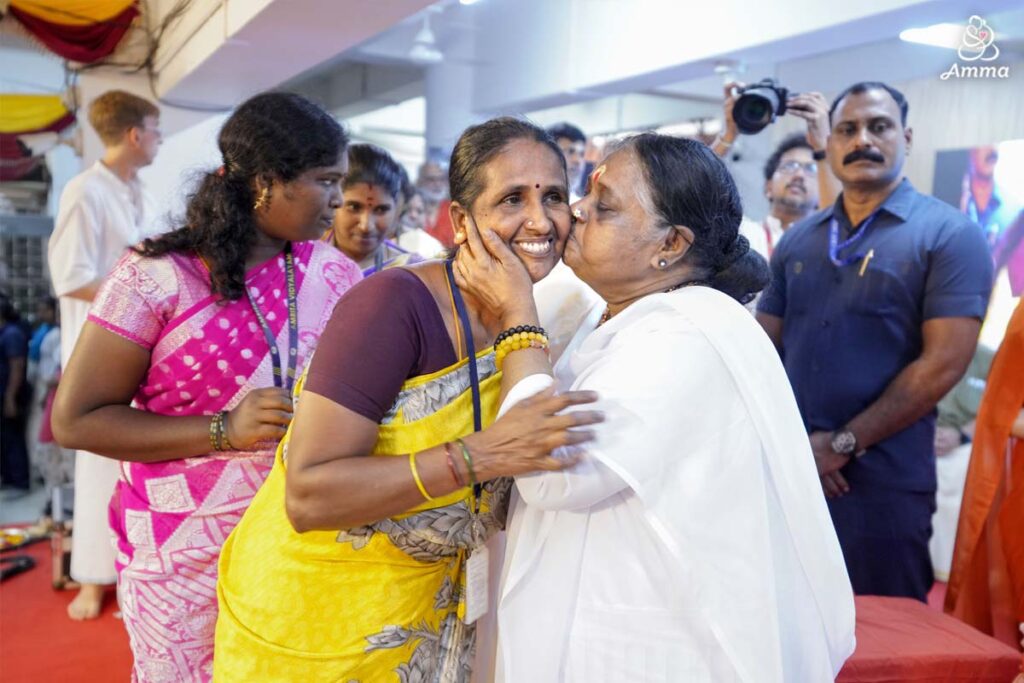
468 2
424 45
938 35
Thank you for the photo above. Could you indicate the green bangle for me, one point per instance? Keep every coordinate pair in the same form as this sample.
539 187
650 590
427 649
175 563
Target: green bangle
469 461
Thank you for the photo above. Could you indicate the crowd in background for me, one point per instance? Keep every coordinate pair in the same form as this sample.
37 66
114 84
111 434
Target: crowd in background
876 296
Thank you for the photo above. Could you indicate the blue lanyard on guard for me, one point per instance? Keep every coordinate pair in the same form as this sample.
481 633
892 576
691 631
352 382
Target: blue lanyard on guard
835 246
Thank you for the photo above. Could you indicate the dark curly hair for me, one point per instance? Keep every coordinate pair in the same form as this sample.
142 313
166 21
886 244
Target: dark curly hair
373 165
865 86
566 130
273 135
794 141
691 186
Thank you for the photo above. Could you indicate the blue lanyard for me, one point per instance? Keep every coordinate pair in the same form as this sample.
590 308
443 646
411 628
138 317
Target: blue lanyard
835 246
293 326
474 376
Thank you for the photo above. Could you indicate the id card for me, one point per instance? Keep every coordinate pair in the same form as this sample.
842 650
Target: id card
477 568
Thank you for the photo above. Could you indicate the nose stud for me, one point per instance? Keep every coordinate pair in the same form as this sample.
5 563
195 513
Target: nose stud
577 214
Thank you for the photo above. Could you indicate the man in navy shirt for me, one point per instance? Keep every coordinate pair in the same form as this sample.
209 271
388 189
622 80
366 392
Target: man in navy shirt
875 305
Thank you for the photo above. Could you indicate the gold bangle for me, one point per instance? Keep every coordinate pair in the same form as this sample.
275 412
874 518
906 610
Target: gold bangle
214 431
416 477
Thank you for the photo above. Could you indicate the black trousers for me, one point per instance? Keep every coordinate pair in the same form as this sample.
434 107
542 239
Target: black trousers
13 453
884 536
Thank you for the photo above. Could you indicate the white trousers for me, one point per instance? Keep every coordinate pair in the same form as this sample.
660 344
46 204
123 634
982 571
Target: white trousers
92 542
951 473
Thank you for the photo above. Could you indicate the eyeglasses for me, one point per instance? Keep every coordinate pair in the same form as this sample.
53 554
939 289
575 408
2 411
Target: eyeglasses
791 167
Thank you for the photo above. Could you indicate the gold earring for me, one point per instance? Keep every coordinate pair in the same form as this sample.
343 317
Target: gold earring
263 200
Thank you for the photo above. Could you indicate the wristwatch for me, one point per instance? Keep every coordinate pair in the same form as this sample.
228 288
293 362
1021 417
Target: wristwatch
818 155
844 442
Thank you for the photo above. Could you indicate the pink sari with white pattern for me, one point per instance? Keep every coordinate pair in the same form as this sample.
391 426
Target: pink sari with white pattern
171 518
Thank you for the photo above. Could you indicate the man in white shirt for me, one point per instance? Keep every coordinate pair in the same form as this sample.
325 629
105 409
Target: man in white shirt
791 189
101 213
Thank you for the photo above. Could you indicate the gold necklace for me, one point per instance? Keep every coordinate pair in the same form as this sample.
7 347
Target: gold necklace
688 283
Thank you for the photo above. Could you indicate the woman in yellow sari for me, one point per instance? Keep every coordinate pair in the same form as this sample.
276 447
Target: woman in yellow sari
361 557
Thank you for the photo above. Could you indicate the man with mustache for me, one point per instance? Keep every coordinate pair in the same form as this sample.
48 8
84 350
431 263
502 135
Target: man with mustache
875 305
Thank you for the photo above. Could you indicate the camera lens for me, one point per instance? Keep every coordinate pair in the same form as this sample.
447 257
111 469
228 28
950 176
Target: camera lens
756 108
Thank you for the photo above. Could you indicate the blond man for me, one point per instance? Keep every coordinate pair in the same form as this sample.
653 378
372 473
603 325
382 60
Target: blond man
102 211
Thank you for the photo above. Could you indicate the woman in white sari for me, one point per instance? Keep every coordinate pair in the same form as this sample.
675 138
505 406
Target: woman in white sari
691 541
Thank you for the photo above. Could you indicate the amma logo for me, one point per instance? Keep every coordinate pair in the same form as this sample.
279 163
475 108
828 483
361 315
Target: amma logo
977 45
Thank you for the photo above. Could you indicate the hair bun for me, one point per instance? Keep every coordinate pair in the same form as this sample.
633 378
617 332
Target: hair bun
737 250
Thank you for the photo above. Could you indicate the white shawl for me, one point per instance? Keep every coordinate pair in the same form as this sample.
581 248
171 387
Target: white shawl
761 575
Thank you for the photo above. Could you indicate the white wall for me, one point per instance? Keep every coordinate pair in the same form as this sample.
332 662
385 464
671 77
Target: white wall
955 114
183 158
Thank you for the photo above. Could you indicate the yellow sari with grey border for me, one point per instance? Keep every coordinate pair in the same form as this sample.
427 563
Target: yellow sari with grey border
382 602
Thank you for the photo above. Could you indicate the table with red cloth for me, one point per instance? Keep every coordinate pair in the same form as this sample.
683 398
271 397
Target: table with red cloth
906 641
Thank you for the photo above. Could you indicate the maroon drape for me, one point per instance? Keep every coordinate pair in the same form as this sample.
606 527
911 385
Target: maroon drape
15 160
88 43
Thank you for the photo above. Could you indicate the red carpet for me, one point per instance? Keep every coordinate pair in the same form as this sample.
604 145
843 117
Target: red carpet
39 643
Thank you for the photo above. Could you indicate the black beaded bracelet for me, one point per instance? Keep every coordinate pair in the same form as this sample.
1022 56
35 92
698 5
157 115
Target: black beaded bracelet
520 328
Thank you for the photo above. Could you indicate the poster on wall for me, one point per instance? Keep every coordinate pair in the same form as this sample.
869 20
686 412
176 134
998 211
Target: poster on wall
986 183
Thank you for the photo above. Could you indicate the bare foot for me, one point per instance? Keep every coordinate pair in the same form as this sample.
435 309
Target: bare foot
87 603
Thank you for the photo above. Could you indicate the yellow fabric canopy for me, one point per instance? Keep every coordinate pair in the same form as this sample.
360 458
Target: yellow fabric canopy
73 12
23 113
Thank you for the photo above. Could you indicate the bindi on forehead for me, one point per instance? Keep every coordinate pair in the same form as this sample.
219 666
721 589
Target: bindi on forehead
537 186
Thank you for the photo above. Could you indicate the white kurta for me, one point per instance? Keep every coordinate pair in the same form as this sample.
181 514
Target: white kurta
420 242
692 542
563 301
99 216
763 235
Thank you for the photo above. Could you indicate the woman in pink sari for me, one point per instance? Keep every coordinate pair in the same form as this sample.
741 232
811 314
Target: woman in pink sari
185 367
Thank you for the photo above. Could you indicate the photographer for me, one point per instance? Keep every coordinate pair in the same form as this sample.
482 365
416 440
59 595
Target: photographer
797 181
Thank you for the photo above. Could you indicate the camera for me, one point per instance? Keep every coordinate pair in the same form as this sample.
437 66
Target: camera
758 105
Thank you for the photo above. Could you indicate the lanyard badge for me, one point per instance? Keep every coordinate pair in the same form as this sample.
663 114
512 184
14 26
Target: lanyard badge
280 380
835 246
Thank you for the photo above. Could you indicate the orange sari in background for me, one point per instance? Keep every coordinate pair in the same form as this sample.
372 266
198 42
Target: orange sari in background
986 584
